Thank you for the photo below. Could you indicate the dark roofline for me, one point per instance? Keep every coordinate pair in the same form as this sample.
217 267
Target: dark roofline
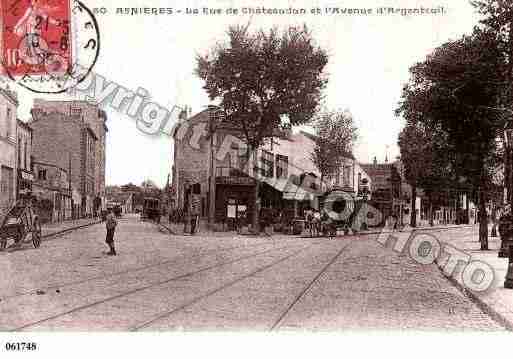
181 122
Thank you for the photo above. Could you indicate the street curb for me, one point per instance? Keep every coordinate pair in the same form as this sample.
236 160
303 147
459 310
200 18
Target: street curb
360 233
46 236
401 231
486 308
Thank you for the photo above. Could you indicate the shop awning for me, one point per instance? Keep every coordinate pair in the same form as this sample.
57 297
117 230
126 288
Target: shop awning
290 190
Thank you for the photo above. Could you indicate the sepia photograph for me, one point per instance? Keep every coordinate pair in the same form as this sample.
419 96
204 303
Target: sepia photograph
171 170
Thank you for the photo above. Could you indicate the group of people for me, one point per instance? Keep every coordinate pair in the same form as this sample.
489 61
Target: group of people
318 222
188 215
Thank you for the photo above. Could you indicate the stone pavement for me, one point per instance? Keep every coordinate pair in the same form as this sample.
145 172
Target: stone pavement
497 301
168 282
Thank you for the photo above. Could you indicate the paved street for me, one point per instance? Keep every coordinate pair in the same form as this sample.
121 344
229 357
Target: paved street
164 282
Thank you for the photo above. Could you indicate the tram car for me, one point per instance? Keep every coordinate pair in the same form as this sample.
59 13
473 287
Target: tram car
151 209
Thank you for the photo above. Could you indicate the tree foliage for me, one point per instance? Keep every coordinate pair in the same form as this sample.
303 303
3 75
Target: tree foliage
335 135
424 156
457 92
265 80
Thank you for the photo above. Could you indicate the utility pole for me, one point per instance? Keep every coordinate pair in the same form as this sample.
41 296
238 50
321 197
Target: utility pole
214 113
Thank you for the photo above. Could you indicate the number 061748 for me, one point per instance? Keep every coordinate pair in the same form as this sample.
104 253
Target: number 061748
20 346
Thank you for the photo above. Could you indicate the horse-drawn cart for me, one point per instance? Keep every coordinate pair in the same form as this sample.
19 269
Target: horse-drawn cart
19 222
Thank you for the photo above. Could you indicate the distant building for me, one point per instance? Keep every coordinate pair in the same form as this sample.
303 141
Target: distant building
393 195
125 200
71 136
25 174
386 191
8 139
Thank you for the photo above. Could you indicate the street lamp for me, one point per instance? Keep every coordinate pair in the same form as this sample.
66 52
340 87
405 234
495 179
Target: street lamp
506 220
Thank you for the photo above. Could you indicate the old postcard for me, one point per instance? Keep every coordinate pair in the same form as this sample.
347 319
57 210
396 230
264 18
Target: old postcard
254 166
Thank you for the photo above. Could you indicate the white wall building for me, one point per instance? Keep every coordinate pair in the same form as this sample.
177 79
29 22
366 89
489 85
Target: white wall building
8 155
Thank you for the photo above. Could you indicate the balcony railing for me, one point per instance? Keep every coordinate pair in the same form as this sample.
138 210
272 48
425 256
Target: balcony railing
229 172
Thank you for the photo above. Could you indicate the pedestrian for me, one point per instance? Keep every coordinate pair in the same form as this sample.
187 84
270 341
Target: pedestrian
185 218
194 211
111 224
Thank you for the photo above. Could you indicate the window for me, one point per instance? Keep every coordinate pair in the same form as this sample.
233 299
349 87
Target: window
8 119
19 152
6 186
267 163
41 174
282 166
347 176
25 156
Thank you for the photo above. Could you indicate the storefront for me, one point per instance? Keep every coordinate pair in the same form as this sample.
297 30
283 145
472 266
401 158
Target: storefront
234 200
25 181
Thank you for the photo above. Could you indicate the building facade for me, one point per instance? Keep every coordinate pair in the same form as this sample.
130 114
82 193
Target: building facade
212 170
25 174
389 194
8 149
65 138
95 119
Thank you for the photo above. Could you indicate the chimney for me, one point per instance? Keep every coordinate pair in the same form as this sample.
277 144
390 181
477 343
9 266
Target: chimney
375 161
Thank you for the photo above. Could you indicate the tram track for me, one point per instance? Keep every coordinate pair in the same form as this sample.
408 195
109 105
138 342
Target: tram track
210 293
305 290
150 286
126 271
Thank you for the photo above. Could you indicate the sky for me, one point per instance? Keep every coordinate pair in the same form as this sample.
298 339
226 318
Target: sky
369 58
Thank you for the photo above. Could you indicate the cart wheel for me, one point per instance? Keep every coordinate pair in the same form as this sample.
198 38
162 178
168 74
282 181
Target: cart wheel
36 233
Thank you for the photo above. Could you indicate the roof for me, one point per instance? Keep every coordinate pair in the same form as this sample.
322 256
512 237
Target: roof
193 118
371 167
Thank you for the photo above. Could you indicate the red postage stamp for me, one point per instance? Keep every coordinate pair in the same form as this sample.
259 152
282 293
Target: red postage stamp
36 37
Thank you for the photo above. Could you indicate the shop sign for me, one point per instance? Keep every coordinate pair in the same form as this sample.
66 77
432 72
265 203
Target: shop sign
236 181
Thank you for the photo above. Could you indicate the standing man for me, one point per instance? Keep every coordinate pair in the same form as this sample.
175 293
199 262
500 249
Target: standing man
194 210
111 224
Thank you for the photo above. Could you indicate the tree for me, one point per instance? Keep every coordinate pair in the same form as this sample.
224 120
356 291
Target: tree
335 136
423 154
498 21
264 81
456 90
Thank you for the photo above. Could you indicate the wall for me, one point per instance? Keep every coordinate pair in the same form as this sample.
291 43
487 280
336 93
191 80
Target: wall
96 119
57 138
7 147
191 157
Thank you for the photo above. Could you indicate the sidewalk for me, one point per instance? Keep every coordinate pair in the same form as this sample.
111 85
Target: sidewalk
52 228
497 301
